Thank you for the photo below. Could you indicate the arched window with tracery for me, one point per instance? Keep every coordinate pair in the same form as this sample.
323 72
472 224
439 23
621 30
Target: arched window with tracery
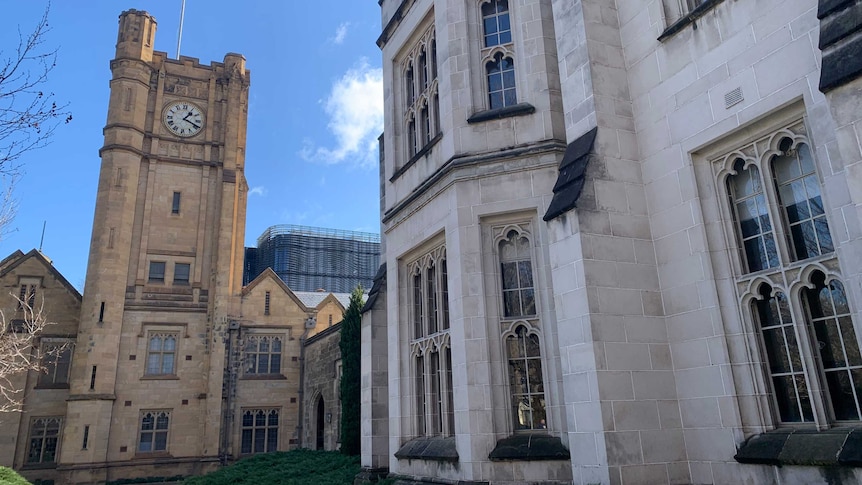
497 53
516 268
525 379
783 357
837 345
421 101
799 195
798 306
752 217
431 357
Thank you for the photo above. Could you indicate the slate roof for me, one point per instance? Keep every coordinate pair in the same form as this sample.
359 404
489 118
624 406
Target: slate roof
313 298
378 286
840 21
573 169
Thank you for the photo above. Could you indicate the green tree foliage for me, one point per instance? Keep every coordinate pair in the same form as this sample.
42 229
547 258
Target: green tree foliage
350 374
9 477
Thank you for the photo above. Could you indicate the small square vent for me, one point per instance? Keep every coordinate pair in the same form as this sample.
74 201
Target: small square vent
733 97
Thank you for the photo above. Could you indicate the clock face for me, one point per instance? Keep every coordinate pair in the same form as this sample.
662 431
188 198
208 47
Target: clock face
183 118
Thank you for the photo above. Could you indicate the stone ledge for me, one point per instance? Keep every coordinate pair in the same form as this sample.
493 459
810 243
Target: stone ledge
370 475
529 447
433 449
688 19
505 112
834 447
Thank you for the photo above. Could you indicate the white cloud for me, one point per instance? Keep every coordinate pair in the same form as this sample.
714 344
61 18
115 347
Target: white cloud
355 110
259 190
340 33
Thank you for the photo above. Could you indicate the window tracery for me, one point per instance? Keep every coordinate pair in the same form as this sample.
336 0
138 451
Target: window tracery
421 106
430 346
789 279
520 327
497 54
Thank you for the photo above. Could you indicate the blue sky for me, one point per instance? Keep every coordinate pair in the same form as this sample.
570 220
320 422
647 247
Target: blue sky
315 111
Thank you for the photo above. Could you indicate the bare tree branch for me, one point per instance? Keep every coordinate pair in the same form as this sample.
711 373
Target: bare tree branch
28 114
21 352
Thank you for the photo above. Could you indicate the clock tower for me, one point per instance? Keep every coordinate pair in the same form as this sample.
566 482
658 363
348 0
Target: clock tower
165 269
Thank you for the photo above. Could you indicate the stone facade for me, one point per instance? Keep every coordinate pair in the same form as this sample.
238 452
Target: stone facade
42 395
321 391
630 332
174 367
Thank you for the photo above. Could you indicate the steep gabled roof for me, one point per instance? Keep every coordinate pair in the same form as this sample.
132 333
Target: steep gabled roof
268 273
10 262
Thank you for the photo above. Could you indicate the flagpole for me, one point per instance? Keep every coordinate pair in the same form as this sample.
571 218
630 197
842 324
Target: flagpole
180 32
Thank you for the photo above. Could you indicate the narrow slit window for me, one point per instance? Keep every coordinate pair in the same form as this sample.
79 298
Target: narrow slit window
175 205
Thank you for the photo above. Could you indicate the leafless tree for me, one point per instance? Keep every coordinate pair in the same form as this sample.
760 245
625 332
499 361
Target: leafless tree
21 352
28 117
28 113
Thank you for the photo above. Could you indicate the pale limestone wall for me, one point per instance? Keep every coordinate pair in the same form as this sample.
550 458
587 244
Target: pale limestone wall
646 343
769 49
460 87
459 209
374 393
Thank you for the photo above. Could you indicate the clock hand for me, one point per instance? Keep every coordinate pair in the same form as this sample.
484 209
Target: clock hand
193 124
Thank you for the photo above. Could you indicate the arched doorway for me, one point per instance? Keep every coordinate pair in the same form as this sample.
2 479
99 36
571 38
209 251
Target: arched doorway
320 423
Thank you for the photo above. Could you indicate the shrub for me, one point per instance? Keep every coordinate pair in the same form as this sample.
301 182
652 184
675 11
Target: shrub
9 477
298 467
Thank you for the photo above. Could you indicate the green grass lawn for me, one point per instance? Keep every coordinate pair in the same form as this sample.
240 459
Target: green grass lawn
296 467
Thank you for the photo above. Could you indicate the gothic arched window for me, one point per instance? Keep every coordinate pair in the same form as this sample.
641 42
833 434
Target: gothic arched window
752 217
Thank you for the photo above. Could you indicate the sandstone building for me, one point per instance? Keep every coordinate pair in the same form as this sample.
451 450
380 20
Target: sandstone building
622 243
173 366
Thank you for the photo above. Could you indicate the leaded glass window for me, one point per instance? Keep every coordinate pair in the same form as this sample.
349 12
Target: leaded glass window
44 440
501 82
752 218
799 194
495 23
263 355
161 354
431 366
154 431
259 431
516 267
525 380
838 347
783 357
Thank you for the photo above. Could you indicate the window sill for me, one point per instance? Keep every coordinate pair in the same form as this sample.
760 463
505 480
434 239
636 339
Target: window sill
38 466
160 377
519 109
421 153
689 18
803 447
145 455
263 377
529 447
431 449
49 386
